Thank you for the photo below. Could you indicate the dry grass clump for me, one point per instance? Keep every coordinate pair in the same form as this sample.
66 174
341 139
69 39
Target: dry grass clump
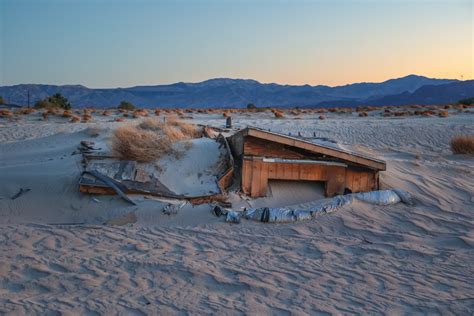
443 114
5 113
278 113
140 112
119 119
172 127
75 119
67 114
86 117
133 143
462 144
322 117
106 113
363 114
25 111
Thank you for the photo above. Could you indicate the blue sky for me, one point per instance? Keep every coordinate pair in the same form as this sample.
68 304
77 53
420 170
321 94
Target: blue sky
119 43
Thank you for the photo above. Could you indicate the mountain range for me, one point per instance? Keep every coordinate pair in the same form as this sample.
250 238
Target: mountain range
224 92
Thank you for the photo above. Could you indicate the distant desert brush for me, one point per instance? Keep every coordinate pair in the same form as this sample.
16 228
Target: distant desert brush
151 139
278 113
462 144
6 113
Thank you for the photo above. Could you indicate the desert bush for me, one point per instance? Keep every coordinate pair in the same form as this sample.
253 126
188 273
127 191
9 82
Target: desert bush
363 114
86 117
468 101
140 113
443 114
5 113
157 112
25 111
54 101
278 113
75 119
462 144
173 128
119 119
124 105
322 117
251 106
67 113
134 143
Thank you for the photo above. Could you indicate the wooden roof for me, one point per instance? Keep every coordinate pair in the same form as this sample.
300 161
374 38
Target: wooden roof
345 155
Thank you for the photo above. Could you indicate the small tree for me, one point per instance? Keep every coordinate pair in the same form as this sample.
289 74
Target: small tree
468 101
251 106
126 105
2 101
54 101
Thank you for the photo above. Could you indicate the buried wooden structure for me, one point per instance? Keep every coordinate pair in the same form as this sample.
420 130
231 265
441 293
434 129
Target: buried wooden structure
104 174
267 155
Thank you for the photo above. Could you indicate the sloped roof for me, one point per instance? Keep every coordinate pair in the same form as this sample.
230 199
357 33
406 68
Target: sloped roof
342 154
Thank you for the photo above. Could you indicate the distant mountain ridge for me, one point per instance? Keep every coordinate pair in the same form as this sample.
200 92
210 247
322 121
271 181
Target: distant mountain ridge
225 92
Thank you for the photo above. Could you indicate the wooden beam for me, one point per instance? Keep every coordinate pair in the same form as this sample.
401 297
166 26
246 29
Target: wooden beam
317 148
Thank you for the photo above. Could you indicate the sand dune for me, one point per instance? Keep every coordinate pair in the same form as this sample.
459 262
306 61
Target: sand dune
363 259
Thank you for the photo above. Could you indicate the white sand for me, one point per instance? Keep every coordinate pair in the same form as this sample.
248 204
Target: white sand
362 259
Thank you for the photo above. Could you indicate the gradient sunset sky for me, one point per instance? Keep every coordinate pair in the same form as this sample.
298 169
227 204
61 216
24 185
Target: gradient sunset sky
118 43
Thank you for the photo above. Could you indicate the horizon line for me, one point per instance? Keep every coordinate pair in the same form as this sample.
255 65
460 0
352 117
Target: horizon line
229 78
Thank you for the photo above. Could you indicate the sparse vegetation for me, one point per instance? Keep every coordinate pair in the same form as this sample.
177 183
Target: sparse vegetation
462 144
124 105
468 101
278 113
251 106
54 101
2 101
151 139
4 113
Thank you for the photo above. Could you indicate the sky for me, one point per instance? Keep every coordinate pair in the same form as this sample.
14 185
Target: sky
122 43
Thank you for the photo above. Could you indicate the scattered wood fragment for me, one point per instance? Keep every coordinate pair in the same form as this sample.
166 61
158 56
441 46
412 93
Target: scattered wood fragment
20 193
107 181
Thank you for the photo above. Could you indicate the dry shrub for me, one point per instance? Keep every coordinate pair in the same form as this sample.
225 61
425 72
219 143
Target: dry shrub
225 114
402 113
157 112
119 119
75 119
278 113
322 117
106 113
86 117
134 143
332 110
363 114
52 111
140 112
45 115
173 128
5 113
462 144
67 113
443 114
25 111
